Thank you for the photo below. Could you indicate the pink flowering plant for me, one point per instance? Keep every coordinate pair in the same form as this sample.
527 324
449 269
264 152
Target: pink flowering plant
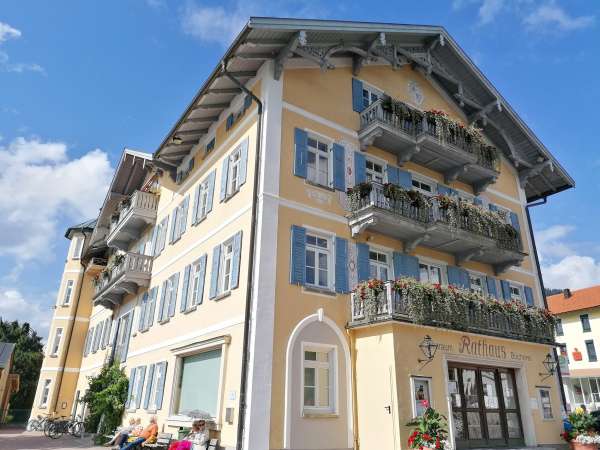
430 430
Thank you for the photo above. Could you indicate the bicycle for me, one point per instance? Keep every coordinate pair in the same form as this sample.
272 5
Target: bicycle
37 424
63 425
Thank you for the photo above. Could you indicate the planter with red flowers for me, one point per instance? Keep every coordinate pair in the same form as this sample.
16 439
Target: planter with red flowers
429 430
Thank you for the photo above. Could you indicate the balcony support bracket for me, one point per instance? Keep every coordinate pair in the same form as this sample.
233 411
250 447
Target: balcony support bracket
452 174
410 245
368 140
482 185
362 226
467 256
130 287
406 155
501 268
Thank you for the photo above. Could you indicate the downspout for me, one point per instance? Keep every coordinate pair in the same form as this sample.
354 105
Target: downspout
67 346
539 271
250 280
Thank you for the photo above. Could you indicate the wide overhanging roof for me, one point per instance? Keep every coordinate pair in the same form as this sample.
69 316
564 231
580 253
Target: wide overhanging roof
429 49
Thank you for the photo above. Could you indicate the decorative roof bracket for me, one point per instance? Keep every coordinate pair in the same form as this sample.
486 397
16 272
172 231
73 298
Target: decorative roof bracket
526 174
298 39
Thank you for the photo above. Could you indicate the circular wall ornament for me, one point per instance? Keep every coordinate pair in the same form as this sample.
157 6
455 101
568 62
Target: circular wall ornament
415 92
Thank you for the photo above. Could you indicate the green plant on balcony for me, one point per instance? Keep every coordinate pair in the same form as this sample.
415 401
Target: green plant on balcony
357 193
452 306
402 111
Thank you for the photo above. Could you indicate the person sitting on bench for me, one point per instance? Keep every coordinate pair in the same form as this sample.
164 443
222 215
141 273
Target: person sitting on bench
196 439
148 434
122 433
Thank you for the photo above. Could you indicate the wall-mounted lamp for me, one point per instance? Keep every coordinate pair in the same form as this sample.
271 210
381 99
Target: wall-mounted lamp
428 348
550 365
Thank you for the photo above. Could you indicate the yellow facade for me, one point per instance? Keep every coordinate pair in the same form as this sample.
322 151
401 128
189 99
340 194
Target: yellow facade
294 331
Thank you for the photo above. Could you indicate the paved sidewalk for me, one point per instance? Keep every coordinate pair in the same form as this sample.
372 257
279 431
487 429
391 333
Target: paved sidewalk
19 439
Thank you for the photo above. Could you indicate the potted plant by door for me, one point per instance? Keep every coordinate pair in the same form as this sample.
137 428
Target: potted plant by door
583 434
429 430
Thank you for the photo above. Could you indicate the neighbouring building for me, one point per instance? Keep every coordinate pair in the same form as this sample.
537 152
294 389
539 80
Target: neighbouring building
9 382
578 333
226 272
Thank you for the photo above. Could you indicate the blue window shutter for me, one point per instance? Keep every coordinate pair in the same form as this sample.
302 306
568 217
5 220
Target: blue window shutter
243 161
173 299
298 256
505 285
149 386
235 261
360 168
214 272
300 152
185 289
528 295
465 279
152 306
183 214
141 374
406 265
446 190
161 307
163 236
492 287
341 265
357 95
162 367
405 179
211 190
224 178
196 204
154 239
339 164
477 201
130 387
128 337
174 231
455 277
143 309
362 261
393 175
229 122
493 207
514 220
201 275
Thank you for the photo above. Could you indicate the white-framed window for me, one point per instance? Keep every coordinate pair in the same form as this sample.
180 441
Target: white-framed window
516 292
374 170
423 185
196 277
318 261
370 94
318 160
77 247
319 364
421 393
56 342
233 177
134 402
379 265
477 283
122 340
203 192
199 382
68 292
545 403
45 393
225 266
430 272
156 385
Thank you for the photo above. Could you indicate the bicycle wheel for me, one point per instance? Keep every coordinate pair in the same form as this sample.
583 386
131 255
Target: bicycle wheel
47 427
76 429
34 425
55 431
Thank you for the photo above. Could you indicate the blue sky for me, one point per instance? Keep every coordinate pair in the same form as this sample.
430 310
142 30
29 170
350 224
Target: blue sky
81 80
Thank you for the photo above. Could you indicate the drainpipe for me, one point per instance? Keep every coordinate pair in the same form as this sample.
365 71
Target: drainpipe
67 343
250 280
539 271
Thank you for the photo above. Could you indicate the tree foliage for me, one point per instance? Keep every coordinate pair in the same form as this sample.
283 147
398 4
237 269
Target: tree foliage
28 357
105 399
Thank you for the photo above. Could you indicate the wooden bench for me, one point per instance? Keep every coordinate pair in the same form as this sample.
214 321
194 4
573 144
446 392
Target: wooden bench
162 441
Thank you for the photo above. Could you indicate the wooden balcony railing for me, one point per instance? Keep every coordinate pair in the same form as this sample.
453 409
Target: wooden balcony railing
471 317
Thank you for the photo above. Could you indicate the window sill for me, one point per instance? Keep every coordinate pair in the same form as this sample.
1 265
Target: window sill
318 185
316 290
54 355
229 196
200 220
164 321
319 415
191 309
222 296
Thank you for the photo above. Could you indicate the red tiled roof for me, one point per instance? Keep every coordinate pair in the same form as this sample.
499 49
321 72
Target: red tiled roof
580 299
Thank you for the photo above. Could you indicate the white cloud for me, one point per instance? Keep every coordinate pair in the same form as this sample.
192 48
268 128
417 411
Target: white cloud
8 32
42 186
488 10
551 16
14 306
562 266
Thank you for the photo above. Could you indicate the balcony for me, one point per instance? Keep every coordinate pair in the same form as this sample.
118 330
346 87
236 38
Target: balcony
467 231
127 273
392 300
432 140
133 215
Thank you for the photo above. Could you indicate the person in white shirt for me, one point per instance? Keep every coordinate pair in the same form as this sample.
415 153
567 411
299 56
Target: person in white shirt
198 435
